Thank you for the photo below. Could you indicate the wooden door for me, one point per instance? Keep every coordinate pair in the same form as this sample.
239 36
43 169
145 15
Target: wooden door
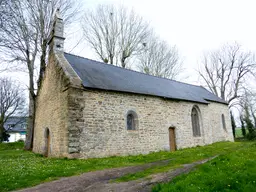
172 139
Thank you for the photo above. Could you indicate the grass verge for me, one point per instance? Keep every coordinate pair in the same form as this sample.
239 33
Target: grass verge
20 169
233 171
184 156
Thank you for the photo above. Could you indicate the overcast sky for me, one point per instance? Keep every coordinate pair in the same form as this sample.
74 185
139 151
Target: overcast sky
194 26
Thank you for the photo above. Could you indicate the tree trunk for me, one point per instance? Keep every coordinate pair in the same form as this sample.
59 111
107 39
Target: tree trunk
1 133
233 124
42 63
242 126
30 121
111 59
223 95
31 110
123 62
1 129
254 119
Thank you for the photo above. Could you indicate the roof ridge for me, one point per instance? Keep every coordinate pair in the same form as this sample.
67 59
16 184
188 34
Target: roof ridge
99 62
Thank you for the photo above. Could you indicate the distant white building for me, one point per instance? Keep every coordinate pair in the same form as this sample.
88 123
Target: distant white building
16 128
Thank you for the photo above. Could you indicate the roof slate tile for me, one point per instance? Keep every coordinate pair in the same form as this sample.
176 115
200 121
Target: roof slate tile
99 75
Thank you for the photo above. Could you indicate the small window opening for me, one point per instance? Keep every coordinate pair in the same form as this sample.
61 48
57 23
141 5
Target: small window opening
131 120
223 122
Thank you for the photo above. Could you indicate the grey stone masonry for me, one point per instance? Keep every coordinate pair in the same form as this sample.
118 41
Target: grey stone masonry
76 103
57 39
87 122
104 131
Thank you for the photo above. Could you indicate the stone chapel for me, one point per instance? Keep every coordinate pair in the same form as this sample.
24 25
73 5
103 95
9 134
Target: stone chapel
88 109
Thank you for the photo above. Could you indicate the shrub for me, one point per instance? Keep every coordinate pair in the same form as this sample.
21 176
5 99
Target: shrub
251 135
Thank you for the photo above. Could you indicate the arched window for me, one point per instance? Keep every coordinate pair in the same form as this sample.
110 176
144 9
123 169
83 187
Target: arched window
195 122
131 120
223 122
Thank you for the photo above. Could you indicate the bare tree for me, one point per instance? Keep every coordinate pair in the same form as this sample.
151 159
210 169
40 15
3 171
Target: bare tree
43 18
133 33
226 70
115 34
12 102
160 59
24 36
101 31
19 44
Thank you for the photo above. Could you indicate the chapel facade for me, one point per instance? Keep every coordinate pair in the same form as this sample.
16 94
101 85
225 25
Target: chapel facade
88 109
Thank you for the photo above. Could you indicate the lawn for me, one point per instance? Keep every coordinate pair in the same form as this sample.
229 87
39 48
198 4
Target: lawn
184 156
239 132
234 171
20 169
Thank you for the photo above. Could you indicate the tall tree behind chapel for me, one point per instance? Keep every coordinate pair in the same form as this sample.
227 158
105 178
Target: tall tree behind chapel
24 35
225 71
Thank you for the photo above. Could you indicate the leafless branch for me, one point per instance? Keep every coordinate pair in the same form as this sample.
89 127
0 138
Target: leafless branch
11 102
24 36
115 33
226 70
160 59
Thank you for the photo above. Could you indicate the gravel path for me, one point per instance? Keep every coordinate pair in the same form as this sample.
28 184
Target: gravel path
99 181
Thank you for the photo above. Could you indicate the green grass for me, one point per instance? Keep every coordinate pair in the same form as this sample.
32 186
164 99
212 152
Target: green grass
239 133
233 171
20 169
11 146
184 156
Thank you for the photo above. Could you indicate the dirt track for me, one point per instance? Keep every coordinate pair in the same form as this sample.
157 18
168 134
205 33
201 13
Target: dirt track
99 181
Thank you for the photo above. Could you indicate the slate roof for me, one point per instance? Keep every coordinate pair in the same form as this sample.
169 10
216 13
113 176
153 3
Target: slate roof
99 75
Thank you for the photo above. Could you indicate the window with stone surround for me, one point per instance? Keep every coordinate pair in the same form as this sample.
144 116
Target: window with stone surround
131 120
223 122
195 118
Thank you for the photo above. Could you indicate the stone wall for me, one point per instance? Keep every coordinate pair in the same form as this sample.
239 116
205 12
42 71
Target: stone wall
92 123
52 112
104 132
76 102
86 123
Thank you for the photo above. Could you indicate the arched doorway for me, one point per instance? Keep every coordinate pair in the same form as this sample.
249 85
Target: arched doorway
47 142
172 139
